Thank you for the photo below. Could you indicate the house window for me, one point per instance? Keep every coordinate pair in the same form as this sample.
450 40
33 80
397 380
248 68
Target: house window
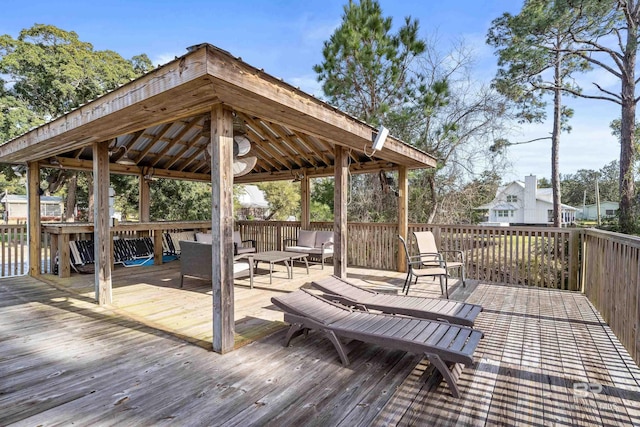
504 213
610 212
512 198
50 210
550 215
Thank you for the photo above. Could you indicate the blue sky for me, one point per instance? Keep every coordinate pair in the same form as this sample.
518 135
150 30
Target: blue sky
284 37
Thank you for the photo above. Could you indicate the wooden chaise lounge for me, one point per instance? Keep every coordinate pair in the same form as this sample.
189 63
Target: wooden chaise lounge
347 293
445 345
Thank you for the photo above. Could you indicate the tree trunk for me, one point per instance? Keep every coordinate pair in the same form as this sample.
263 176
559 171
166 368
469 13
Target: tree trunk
72 186
627 135
555 139
431 179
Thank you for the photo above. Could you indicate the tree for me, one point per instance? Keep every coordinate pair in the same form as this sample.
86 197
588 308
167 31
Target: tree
531 49
366 67
605 34
50 71
424 98
452 116
366 71
283 198
180 200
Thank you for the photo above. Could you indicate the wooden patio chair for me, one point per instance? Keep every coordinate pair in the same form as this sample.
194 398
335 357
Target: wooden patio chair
347 293
417 268
446 346
427 247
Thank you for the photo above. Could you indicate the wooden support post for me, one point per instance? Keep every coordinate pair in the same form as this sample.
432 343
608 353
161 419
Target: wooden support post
305 203
145 200
64 257
101 223
341 166
222 228
403 215
157 247
33 215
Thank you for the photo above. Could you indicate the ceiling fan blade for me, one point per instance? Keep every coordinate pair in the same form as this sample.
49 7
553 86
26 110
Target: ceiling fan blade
241 145
243 166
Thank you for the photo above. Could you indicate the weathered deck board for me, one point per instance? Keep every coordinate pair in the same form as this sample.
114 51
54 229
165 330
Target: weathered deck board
63 359
538 343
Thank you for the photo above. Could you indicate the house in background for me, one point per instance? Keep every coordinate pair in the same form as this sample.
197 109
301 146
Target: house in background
523 203
253 204
607 210
15 208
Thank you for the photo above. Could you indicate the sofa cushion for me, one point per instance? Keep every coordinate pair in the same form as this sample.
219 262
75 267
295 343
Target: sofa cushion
204 238
307 238
324 237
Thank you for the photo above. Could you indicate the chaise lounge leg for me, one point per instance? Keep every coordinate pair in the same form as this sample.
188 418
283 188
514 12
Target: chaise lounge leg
339 347
295 330
449 376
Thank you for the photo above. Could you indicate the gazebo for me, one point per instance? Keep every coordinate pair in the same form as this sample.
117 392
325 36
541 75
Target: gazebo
179 121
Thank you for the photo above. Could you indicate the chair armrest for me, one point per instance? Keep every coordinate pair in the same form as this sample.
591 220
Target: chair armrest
460 253
436 259
253 242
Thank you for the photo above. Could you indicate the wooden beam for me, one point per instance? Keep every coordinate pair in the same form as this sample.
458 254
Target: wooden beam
101 225
403 214
33 218
305 202
340 212
222 228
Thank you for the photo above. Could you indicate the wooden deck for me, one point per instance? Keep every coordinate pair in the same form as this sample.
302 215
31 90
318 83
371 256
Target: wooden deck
65 360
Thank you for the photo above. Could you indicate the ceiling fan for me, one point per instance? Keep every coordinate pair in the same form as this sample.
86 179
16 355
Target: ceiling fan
241 146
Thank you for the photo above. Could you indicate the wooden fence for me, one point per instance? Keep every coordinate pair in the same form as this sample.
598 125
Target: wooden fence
611 281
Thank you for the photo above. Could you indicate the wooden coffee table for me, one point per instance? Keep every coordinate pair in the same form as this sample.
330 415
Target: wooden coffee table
280 256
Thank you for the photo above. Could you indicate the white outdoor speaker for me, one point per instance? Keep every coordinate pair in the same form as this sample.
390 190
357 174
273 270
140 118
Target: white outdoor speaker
383 132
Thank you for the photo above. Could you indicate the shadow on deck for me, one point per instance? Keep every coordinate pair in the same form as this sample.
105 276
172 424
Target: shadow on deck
547 358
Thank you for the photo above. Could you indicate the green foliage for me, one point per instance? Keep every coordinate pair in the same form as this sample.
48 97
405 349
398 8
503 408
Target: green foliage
127 197
283 198
174 200
575 185
320 212
53 71
366 67
322 191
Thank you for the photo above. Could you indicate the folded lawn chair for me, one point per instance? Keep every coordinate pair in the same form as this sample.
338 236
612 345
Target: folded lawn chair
425 308
445 345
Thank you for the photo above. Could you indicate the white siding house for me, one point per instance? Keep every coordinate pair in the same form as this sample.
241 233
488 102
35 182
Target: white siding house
524 203
15 208
607 210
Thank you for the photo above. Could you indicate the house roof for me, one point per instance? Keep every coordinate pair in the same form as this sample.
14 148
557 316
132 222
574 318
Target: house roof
252 197
161 120
19 198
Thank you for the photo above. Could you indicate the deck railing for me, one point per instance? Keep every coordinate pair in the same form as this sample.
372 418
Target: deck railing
611 281
537 256
603 265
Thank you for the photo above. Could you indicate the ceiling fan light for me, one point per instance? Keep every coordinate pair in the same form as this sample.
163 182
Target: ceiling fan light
125 160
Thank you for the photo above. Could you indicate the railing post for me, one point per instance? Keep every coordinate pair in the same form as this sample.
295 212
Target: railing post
574 259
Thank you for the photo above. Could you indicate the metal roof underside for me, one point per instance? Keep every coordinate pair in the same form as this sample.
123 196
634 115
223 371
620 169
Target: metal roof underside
162 120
